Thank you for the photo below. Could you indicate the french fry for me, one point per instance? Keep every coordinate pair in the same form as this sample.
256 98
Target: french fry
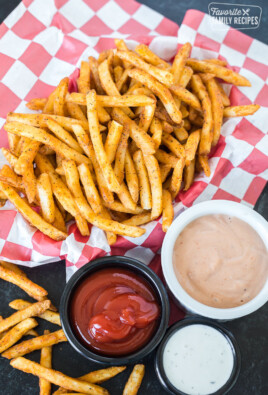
46 361
35 343
221 72
141 138
19 279
225 99
159 90
126 198
97 377
111 236
151 57
146 116
91 191
12 159
168 212
134 382
56 377
29 182
164 171
59 97
63 194
30 215
101 156
217 108
48 315
217 61
37 104
13 142
16 333
162 75
43 137
187 96
189 175
113 137
83 82
8 176
131 177
119 164
203 160
180 133
119 207
165 158
75 111
82 225
173 144
49 106
30 149
156 185
191 146
63 135
180 61
118 71
93 64
139 219
33 310
206 133
122 80
156 129
176 178
145 189
59 221
13 267
240 111
45 196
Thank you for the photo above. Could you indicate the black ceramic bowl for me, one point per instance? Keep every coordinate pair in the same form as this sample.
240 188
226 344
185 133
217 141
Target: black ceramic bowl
124 263
190 321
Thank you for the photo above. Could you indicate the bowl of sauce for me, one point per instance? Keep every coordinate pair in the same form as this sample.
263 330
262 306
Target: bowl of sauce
198 357
114 310
215 260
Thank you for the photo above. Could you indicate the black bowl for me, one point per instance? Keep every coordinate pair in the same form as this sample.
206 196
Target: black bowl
190 321
125 263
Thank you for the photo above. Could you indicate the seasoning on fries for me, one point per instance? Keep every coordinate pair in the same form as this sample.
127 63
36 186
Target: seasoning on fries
137 129
134 382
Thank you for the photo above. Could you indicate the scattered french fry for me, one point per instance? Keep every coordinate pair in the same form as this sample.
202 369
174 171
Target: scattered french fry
46 361
134 382
48 315
16 333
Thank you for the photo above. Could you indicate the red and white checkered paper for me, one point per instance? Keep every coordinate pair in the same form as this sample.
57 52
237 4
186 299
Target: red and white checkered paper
44 41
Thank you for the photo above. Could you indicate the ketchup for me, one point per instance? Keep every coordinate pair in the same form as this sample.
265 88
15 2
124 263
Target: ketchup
114 312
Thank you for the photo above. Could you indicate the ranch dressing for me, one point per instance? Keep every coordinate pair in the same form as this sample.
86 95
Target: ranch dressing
198 359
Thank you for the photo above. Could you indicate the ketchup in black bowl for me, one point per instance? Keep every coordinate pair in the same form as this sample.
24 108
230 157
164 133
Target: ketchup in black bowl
114 311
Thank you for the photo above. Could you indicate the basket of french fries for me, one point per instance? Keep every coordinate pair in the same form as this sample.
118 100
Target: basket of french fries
116 153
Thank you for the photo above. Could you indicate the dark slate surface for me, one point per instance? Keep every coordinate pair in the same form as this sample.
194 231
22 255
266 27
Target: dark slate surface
250 332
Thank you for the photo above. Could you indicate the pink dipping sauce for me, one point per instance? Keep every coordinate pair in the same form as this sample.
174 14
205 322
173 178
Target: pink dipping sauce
220 261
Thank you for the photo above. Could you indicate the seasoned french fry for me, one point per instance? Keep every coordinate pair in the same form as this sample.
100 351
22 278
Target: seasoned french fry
131 177
119 164
93 64
59 221
33 310
13 267
145 189
173 144
35 343
189 175
187 96
156 185
37 104
48 315
156 129
206 133
29 182
240 111
203 160
164 171
57 378
126 198
63 194
30 149
112 140
46 361
176 178
91 191
59 97
191 146
165 158
122 80
111 236
63 135
83 82
139 219
119 207
13 142
141 138
162 75
180 133
8 176
49 106
134 382
151 57
159 90
16 333
221 72
45 196
216 61
146 116
43 137
12 159
225 99
168 212
167 128
180 61
75 111
118 71
101 156
217 108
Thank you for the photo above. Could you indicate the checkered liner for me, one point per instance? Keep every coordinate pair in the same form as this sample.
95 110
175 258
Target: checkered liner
44 41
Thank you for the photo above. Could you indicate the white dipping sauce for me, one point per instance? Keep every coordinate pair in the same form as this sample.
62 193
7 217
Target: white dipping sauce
198 359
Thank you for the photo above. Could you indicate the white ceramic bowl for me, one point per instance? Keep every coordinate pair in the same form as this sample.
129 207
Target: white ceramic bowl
199 210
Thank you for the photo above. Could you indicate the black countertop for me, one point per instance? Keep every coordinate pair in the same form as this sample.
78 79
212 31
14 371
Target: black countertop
250 332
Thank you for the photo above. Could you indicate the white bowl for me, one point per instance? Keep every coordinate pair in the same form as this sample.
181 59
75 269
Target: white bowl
199 210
